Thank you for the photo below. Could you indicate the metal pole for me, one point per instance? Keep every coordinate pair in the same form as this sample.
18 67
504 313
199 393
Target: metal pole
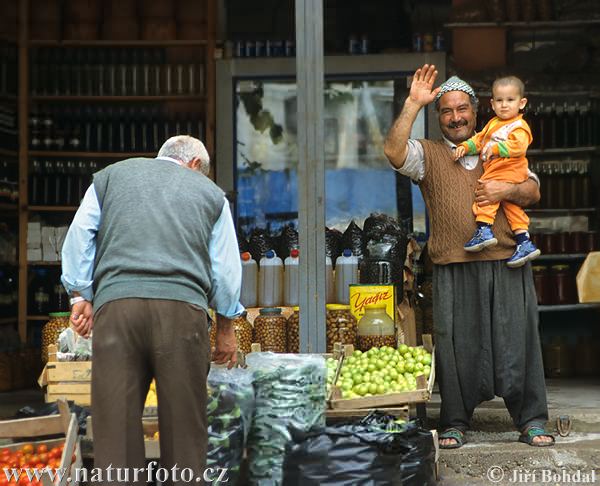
311 174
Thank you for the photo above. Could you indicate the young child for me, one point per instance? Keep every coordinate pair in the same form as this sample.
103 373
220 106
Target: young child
502 145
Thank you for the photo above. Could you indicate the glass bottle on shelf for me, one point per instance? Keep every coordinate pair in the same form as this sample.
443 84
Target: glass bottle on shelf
35 182
566 126
70 183
561 185
533 121
574 184
554 126
541 132
585 195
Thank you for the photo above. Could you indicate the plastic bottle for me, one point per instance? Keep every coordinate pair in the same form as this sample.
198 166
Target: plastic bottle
291 279
249 294
329 281
346 273
270 280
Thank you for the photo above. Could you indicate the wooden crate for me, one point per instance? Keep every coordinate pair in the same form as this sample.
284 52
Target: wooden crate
71 380
421 395
150 426
29 428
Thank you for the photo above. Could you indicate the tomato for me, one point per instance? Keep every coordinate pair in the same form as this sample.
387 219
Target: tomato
34 459
41 448
43 457
54 453
3 480
73 457
39 466
27 449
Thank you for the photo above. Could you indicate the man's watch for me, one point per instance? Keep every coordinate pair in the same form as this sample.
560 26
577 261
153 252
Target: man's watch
74 300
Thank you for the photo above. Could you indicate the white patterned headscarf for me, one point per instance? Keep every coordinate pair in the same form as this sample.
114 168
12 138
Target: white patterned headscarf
456 84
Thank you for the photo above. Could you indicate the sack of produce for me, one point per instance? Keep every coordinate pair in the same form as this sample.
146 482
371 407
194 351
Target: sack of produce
230 407
287 241
352 239
290 392
259 243
333 244
375 450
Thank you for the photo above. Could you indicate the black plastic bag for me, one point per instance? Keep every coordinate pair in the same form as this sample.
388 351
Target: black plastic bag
260 243
352 239
81 413
287 241
242 242
371 452
333 243
384 239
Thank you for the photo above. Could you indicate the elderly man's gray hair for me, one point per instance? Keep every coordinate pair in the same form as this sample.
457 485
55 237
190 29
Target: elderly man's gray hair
185 148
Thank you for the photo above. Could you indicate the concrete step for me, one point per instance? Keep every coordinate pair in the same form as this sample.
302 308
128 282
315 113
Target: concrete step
498 458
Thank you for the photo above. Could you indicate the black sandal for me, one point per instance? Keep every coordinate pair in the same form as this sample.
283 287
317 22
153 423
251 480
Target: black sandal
531 432
454 434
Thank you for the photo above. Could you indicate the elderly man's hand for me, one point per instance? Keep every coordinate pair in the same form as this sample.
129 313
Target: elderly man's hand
226 343
82 318
421 88
491 192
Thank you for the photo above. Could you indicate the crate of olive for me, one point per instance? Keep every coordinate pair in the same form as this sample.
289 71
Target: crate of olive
270 330
52 329
243 333
341 326
385 376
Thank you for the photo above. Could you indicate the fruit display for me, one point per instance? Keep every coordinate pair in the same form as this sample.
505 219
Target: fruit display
290 392
341 326
383 370
52 329
230 407
33 456
270 330
332 365
293 332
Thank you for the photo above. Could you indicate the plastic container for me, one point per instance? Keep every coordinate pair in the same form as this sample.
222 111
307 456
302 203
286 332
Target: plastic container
329 281
291 279
376 328
270 330
52 329
346 273
270 280
341 326
249 294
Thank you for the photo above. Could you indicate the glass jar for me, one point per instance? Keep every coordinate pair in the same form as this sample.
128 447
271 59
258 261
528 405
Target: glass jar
58 322
577 239
341 326
293 331
243 333
376 328
563 282
270 330
541 282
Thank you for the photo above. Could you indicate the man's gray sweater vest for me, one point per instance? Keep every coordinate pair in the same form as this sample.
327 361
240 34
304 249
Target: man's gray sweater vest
155 227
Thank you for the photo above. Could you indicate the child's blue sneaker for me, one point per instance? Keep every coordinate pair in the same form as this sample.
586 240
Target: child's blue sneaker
525 251
482 238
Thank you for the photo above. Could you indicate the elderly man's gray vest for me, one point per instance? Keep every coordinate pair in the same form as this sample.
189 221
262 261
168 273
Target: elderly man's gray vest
156 223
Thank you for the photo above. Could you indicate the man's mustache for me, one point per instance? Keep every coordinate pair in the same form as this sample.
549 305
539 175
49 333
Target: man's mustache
457 124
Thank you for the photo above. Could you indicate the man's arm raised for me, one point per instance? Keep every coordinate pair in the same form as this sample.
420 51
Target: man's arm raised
421 94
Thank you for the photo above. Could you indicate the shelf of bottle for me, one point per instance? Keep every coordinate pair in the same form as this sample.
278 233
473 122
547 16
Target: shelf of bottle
8 320
118 43
117 98
9 153
567 150
37 318
44 264
545 94
561 257
56 209
96 155
538 24
557 210
8 206
567 307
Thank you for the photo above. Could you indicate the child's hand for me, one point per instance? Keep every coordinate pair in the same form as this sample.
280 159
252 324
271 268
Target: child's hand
487 153
459 152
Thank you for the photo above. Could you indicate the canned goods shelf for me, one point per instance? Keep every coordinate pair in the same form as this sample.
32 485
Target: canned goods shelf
567 307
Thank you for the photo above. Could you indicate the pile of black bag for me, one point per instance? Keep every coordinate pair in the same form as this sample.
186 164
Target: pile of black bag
373 451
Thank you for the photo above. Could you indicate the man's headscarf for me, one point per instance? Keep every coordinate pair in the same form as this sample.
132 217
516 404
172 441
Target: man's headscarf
456 84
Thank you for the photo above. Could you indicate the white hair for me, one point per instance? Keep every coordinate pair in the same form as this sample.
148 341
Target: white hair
185 148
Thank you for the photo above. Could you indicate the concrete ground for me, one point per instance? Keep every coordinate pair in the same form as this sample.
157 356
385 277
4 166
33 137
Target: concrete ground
492 454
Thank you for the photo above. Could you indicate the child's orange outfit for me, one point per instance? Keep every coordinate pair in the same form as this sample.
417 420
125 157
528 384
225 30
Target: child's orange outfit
509 140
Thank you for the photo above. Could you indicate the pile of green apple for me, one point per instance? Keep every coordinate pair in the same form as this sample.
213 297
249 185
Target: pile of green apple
332 365
383 370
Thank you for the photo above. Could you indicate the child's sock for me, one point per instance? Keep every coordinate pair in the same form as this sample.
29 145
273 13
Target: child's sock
522 237
481 224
